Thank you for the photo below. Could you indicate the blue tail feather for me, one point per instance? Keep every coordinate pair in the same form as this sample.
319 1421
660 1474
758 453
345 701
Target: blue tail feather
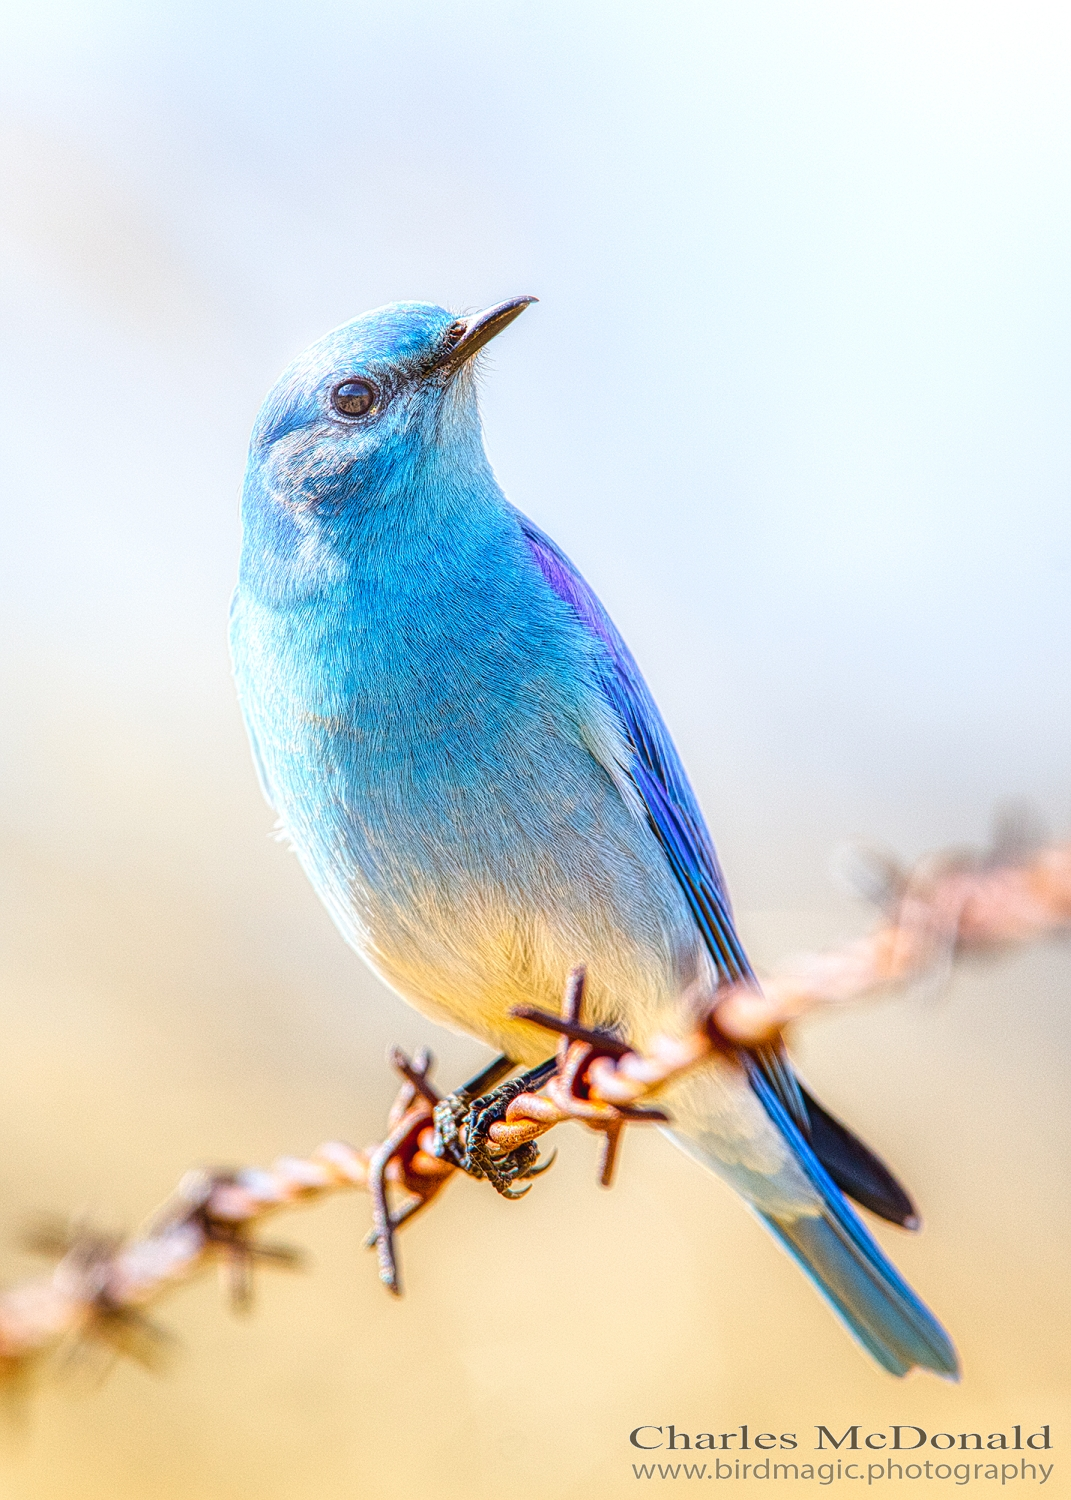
852 1272
881 1311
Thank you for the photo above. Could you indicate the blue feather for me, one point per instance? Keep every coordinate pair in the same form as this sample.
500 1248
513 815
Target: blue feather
849 1267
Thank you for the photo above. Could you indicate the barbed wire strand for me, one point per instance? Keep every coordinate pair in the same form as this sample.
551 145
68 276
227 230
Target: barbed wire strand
945 909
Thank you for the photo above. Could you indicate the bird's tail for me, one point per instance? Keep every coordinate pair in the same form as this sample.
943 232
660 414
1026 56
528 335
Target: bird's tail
838 1253
863 1286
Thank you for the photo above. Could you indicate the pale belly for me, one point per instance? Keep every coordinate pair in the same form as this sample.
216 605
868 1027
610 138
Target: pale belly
466 939
467 956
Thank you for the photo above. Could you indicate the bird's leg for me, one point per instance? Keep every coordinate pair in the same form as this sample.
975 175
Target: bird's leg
450 1113
463 1119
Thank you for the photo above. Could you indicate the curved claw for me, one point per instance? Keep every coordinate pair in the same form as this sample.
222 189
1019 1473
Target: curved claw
544 1165
512 1192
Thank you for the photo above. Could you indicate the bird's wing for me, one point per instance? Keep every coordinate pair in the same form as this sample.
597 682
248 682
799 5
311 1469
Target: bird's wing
654 765
667 798
655 771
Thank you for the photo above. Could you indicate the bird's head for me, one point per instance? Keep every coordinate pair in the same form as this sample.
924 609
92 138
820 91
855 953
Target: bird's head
364 408
375 426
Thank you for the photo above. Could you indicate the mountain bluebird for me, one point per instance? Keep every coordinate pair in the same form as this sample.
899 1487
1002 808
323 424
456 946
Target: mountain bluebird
477 781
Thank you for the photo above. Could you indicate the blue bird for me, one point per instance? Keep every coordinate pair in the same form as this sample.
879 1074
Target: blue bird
477 781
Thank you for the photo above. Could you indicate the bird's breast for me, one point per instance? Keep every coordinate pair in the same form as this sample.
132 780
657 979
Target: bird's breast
431 771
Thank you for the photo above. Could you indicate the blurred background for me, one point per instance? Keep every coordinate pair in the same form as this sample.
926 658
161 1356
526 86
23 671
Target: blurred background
795 398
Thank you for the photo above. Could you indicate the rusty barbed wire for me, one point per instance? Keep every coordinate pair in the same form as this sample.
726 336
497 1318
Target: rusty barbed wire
952 906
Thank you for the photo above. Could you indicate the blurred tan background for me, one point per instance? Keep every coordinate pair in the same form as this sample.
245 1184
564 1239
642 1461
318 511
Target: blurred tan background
796 400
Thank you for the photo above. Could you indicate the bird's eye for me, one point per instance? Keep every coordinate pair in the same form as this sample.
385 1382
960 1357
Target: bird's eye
353 398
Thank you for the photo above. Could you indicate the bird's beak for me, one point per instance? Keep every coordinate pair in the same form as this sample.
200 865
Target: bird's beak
468 335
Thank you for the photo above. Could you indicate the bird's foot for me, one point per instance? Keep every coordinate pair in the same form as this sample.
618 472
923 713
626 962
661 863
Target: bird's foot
428 1137
463 1123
